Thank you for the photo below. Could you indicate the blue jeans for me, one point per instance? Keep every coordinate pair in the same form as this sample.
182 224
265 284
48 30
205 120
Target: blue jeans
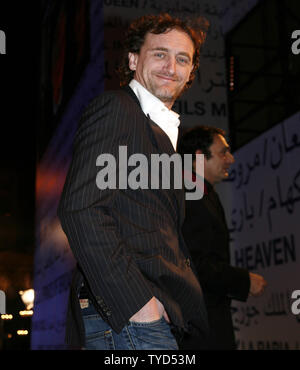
155 335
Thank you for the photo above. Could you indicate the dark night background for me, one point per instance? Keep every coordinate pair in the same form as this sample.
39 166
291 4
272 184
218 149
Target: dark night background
19 70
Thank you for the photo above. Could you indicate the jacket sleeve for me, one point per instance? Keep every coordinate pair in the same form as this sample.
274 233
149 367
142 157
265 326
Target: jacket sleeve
210 253
87 218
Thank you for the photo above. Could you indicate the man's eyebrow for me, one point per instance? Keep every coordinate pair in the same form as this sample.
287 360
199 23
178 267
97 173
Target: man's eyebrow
160 48
226 148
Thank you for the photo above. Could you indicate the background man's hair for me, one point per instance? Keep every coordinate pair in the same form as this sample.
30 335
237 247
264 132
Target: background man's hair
157 24
198 138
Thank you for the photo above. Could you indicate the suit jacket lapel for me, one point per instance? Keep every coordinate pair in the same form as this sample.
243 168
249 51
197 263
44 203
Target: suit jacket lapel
165 146
162 142
161 138
158 137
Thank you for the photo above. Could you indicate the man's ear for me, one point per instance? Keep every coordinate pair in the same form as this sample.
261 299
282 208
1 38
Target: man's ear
132 61
199 151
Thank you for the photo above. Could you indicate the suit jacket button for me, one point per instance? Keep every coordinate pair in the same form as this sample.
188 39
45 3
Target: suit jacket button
100 301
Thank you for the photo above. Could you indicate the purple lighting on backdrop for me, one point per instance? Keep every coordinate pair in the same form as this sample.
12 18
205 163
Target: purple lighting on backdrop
53 259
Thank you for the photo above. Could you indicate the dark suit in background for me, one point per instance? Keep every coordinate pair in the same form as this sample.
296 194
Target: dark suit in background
206 234
128 243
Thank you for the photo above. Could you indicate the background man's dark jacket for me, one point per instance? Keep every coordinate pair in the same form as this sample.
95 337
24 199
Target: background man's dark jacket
206 234
128 243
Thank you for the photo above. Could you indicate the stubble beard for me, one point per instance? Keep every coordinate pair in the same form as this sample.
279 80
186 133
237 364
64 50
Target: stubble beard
164 94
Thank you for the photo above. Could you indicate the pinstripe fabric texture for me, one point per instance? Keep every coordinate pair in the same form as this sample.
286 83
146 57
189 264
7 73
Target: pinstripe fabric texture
127 243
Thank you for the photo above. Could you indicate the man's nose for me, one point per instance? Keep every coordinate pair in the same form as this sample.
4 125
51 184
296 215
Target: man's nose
170 65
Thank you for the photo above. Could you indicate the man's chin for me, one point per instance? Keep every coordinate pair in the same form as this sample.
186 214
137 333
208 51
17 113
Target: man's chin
225 176
166 95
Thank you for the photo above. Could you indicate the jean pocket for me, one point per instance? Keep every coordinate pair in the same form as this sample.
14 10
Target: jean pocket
153 335
100 341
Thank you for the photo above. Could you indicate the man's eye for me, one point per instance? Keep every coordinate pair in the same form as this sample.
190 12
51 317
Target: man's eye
159 55
183 60
225 152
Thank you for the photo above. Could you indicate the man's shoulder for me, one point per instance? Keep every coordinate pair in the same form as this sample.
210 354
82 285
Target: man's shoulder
199 208
113 106
117 96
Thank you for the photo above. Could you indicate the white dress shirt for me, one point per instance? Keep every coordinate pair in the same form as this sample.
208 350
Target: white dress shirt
165 118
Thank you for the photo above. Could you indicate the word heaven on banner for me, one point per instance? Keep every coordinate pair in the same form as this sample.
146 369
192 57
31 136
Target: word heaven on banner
265 234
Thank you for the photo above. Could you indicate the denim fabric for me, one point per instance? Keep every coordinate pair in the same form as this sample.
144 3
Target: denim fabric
155 335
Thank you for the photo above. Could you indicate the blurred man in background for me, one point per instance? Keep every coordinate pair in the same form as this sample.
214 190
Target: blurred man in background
206 234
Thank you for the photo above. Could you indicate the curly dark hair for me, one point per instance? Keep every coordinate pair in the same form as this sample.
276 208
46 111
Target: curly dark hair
198 138
157 24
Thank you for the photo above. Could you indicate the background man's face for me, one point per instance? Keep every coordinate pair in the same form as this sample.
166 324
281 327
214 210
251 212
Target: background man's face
217 166
164 64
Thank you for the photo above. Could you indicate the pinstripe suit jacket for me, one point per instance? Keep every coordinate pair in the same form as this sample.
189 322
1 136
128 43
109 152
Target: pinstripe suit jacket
127 243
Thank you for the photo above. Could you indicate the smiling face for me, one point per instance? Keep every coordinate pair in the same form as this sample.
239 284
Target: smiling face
217 166
164 64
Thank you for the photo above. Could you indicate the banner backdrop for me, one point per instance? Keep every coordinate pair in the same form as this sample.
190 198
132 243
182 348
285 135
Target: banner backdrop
232 12
265 235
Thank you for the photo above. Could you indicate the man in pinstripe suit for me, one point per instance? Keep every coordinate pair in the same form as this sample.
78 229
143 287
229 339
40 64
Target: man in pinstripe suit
134 286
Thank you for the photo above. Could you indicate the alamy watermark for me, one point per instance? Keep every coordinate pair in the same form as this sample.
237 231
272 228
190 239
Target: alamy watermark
296 305
163 172
2 42
2 302
296 44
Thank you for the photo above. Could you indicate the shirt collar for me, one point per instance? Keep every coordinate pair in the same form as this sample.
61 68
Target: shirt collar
152 106
208 187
